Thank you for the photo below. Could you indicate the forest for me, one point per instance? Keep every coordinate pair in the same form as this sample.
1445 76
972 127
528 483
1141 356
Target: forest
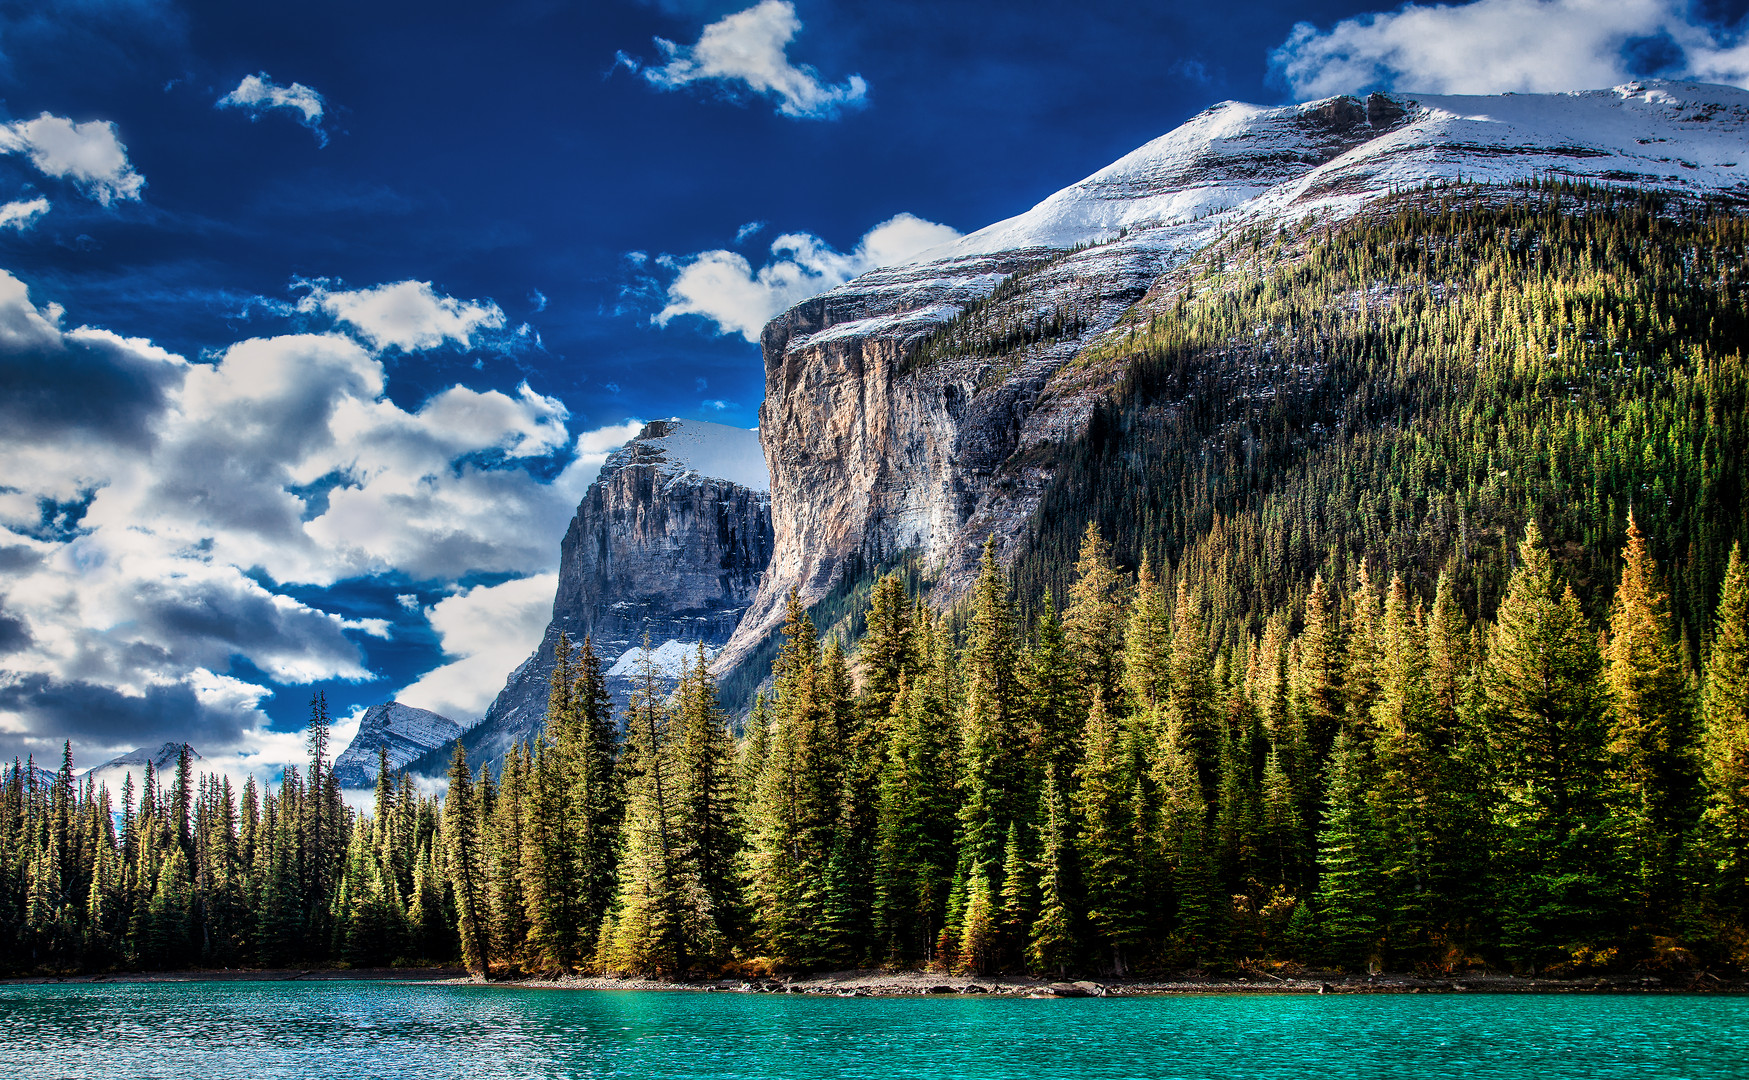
1392 614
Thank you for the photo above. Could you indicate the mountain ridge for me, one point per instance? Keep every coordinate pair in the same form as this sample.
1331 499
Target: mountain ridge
872 456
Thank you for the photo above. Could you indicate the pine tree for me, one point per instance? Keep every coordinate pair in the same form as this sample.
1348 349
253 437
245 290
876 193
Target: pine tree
1544 716
792 827
1349 852
1093 622
1725 745
1053 696
709 819
1649 734
1108 858
1052 946
914 821
1317 694
466 859
648 933
992 771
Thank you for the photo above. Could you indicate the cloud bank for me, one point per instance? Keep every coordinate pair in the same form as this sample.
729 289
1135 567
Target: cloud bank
164 521
1495 46
258 95
723 287
749 51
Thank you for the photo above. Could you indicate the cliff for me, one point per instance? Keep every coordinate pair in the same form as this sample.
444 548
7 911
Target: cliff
670 541
907 410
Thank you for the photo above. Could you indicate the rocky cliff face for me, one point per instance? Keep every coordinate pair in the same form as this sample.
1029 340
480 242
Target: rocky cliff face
905 409
670 541
402 730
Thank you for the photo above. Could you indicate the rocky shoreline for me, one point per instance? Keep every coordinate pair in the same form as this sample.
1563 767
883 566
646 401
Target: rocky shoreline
877 983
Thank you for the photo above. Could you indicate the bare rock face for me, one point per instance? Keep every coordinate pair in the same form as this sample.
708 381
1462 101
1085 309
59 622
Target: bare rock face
402 731
670 541
906 410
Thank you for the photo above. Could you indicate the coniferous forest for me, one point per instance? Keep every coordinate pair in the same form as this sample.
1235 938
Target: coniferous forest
1393 613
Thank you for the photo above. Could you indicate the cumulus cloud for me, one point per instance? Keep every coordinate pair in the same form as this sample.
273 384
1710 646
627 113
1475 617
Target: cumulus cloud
1494 46
749 49
258 95
406 315
155 513
723 286
90 155
21 214
488 631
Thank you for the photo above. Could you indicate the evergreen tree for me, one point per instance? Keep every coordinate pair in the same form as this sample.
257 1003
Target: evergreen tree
1725 745
1544 716
1649 736
466 858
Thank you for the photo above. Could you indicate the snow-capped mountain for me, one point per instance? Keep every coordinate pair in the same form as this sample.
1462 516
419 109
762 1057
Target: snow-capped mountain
163 760
872 455
402 730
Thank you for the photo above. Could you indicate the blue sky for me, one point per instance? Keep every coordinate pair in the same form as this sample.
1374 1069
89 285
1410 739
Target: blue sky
316 319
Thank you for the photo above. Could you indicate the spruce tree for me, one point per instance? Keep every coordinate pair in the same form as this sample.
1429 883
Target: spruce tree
1725 746
1649 737
1545 723
465 858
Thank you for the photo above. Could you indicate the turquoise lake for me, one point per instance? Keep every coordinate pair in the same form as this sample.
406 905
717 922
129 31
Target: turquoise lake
217 1031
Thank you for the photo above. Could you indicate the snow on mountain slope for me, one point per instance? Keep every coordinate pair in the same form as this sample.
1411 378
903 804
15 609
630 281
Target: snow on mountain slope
405 732
1689 137
163 759
713 451
670 659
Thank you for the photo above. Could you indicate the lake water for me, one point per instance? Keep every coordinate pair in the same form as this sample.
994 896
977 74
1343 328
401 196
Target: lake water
219 1031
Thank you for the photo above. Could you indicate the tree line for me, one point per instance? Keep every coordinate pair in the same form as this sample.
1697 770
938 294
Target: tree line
1362 661
1377 779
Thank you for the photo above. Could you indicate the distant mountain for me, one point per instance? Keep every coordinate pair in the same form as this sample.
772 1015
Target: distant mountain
163 760
405 732
41 777
669 542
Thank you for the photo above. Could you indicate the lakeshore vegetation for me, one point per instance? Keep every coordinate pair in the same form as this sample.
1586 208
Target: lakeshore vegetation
1393 614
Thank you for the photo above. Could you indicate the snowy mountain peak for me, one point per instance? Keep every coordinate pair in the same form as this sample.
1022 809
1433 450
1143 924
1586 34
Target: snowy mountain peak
697 447
402 730
163 759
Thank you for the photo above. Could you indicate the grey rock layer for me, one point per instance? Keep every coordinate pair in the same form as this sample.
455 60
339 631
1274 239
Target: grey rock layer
660 547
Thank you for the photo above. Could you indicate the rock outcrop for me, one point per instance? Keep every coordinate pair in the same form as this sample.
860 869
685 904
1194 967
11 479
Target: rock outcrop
906 410
402 730
669 542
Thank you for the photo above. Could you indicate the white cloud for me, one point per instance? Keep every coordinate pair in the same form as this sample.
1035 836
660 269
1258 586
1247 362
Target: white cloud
488 630
748 49
406 315
91 154
196 491
258 95
1495 46
723 287
22 214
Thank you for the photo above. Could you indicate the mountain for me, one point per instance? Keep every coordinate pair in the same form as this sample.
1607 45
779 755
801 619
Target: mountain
163 760
669 542
405 732
917 409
